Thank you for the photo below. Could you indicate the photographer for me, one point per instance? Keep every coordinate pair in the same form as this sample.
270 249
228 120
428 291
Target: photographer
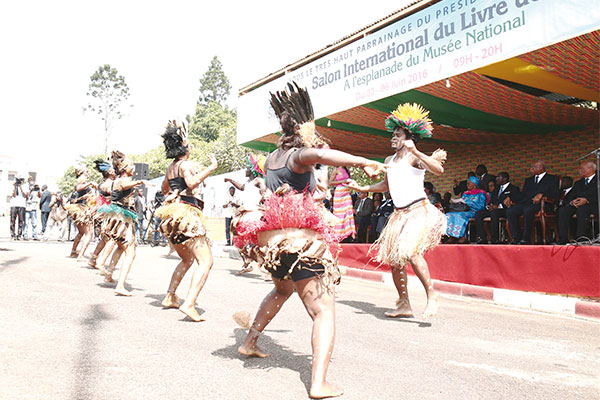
17 208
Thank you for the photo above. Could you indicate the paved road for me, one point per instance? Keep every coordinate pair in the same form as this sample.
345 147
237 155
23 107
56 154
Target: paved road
64 335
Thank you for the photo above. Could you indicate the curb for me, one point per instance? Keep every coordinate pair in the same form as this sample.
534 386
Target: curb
512 298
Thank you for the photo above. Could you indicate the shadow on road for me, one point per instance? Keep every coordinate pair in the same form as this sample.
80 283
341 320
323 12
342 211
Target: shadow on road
85 368
281 357
11 263
378 312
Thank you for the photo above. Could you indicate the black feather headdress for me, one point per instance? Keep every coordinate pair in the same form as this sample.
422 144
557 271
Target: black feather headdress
175 139
295 112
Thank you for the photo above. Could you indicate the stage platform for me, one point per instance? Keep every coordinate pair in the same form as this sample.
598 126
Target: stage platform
568 270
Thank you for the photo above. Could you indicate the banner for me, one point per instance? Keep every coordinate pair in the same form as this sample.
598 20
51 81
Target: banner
446 39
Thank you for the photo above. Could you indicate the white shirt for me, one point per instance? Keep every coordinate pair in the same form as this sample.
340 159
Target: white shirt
251 196
19 200
229 211
405 182
539 177
500 191
589 179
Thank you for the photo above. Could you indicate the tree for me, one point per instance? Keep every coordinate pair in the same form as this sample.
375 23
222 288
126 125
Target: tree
109 93
210 120
67 183
214 85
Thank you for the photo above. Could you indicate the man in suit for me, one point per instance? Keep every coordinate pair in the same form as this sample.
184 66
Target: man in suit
496 209
45 209
528 202
484 178
582 201
362 213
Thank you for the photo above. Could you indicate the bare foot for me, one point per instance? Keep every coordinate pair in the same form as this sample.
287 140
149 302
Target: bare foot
122 291
92 263
252 351
403 310
245 269
191 312
432 306
325 390
170 301
81 259
107 276
73 255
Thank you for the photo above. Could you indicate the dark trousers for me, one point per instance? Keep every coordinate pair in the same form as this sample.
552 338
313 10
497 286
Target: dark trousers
527 210
583 220
362 224
14 213
45 215
373 235
228 229
495 216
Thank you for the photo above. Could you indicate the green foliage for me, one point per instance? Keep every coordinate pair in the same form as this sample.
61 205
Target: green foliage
214 85
67 183
108 92
156 160
210 120
361 178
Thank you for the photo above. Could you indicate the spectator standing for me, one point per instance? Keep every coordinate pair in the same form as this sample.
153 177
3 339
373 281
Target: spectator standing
362 212
484 178
58 217
229 209
45 199
140 210
31 206
17 209
584 203
157 236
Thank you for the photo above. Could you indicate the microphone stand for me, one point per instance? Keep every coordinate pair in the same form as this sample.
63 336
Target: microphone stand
596 240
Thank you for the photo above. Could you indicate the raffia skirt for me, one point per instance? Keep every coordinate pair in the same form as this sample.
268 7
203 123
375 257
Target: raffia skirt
289 224
410 231
118 223
79 213
181 221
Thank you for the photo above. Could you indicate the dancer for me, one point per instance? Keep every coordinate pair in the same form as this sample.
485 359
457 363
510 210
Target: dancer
118 221
182 221
415 226
103 199
80 212
294 242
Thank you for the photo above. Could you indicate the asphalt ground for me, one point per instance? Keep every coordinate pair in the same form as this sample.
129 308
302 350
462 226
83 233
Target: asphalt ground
65 335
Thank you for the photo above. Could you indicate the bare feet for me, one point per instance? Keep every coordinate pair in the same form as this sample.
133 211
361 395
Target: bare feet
403 310
107 276
252 351
245 269
122 291
433 303
324 390
191 312
170 301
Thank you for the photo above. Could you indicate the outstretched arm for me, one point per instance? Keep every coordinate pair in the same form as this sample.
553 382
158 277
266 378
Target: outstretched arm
236 184
302 160
379 187
431 164
193 180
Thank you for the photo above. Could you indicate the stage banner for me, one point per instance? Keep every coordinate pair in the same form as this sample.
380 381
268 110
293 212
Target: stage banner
446 39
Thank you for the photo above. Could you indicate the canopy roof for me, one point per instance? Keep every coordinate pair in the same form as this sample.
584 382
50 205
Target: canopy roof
536 93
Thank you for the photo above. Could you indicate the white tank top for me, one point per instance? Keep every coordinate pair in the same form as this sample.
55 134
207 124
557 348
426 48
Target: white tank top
405 182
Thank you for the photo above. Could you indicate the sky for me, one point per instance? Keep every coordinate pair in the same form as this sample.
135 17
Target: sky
51 48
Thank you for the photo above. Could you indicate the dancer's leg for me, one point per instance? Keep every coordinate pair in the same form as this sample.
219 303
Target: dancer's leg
113 263
129 256
269 307
80 233
97 250
403 304
320 304
422 271
171 300
85 241
201 252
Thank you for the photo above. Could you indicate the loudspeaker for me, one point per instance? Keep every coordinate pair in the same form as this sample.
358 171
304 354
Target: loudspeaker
140 171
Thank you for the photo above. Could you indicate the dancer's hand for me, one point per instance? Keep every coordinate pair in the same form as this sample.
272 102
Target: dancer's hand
351 184
213 161
374 168
410 145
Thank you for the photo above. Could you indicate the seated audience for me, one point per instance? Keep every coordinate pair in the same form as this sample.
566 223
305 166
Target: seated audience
528 202
491 187
377 200
362 214
446 201
500 198
460 187
385 209
461 210
581 200
433 197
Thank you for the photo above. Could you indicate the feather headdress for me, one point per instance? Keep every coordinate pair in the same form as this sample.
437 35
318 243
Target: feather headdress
175 139
119 161
411 117
256 164
79 170
294 102
102 166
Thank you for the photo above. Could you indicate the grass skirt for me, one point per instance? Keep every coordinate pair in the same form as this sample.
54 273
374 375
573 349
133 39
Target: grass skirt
118 223
181 222
289 224
79 213
410 231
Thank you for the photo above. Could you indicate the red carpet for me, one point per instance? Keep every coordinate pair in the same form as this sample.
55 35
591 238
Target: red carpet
548 269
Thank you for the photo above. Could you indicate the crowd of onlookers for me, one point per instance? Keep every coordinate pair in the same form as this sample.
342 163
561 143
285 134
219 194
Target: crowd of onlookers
488 208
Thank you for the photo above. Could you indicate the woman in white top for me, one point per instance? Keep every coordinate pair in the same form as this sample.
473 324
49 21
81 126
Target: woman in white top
416 226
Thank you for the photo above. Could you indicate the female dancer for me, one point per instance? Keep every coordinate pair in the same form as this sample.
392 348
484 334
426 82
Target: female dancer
118 220
182 221
415 226
294 242
103 199
80 212
342 202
